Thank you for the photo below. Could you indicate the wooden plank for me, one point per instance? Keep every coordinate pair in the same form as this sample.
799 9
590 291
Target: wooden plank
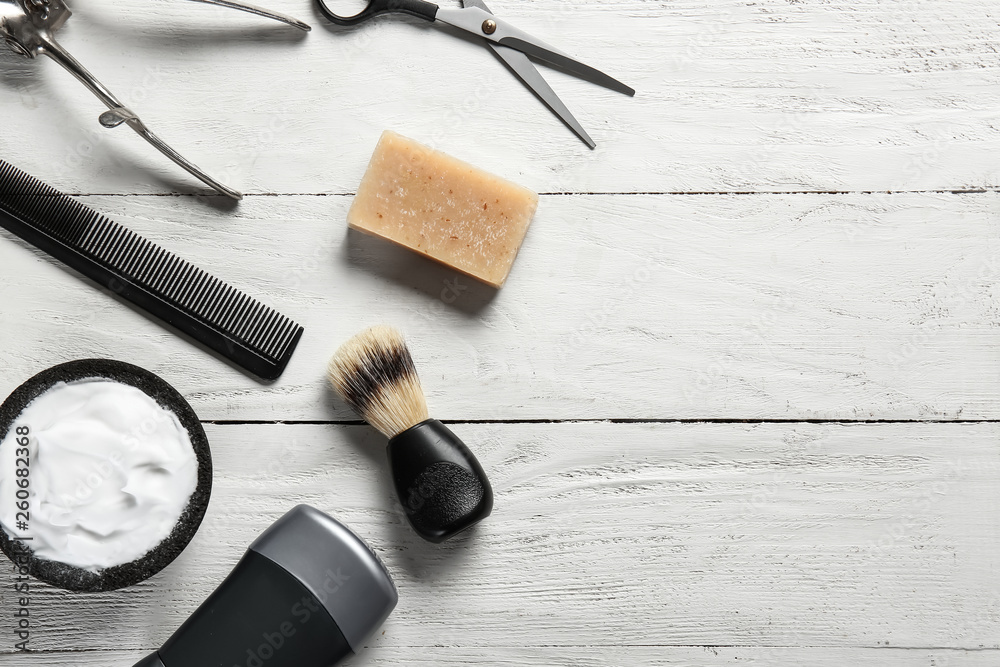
597 656
770 95
634 535
779 307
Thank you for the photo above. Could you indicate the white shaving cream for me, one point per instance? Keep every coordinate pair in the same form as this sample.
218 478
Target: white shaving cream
109 474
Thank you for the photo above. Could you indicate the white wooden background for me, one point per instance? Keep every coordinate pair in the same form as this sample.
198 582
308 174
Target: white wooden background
740 398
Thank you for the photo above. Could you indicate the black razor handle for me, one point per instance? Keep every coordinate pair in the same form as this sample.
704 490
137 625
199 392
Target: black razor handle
439 481
260 615
308 593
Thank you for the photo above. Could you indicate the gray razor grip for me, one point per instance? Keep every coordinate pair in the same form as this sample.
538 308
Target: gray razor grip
307 593
349 580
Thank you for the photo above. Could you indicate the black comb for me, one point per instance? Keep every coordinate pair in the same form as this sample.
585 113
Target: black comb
238 327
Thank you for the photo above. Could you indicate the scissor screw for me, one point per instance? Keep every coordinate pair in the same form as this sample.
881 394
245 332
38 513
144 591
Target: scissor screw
489 26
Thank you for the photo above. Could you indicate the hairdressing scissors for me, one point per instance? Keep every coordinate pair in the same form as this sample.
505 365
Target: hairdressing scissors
511 45
28 28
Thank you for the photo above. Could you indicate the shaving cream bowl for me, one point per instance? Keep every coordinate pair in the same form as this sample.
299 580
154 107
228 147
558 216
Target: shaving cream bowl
105 475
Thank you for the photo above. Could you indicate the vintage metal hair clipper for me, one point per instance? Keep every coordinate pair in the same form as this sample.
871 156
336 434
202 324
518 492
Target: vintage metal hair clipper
28 28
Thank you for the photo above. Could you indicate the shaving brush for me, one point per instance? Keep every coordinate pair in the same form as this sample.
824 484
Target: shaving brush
440 484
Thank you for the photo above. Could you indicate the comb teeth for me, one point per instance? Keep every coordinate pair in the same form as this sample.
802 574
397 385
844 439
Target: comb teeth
126 263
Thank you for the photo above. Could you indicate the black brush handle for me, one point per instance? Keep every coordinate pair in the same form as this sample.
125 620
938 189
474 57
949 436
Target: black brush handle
439 481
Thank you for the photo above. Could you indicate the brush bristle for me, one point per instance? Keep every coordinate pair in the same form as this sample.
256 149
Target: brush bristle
374 374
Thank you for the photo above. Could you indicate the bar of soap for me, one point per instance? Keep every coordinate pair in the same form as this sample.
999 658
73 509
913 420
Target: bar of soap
443 208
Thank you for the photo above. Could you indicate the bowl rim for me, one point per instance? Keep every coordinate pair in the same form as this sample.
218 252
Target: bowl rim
71 577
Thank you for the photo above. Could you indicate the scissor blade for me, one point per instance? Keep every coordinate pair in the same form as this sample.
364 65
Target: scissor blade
472 19
542 52
526 72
